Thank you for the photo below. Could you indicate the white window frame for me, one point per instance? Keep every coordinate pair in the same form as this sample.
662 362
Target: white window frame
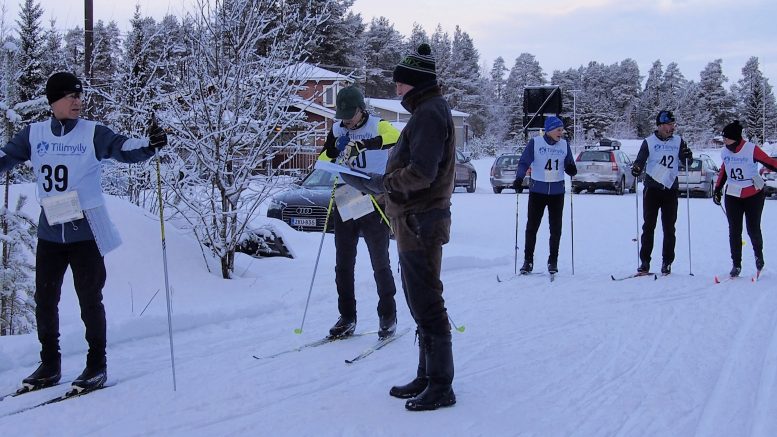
330 100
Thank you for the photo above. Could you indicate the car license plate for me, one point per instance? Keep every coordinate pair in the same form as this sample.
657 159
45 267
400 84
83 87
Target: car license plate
509 172
297 221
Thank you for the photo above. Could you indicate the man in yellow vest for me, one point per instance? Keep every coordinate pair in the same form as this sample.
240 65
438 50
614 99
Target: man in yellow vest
354 131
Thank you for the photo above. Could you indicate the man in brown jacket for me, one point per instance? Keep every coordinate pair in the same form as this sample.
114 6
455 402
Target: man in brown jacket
419 182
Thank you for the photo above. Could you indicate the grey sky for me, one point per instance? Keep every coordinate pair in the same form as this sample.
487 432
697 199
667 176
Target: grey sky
560 33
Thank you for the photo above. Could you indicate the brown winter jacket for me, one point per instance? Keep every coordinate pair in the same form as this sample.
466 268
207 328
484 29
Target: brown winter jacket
421 167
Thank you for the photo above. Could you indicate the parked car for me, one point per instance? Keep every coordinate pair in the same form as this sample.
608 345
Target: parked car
608 169
466 176
770 180
304 205
503 172
702 174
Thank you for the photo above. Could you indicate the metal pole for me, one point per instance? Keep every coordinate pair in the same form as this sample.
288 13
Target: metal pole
636 199
318 257
572 227
688 207
515 255
164 263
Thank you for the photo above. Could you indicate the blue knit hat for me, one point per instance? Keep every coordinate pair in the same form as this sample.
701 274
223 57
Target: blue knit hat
553 122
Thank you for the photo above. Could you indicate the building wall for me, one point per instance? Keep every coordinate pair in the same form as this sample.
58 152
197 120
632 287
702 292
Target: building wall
458 122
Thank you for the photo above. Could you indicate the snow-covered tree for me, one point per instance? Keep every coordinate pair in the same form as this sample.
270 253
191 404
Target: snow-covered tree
525 72
465 88
673 87
230 111
31 77
441 45
417 36
17 269
694 121
74 51
339 47
651 100
755 102
383 49
716 101
53 59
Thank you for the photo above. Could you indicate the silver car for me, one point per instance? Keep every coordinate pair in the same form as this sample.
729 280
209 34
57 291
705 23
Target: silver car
608 169
503 172
701 176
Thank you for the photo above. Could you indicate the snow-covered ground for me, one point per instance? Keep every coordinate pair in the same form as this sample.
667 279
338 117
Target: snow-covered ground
582 356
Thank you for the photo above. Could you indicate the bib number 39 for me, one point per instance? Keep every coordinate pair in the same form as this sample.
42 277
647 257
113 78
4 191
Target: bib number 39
54 178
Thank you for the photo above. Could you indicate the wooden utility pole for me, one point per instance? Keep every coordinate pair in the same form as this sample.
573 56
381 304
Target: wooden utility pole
88 38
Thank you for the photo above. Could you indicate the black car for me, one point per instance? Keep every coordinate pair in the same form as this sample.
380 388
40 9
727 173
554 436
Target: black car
304 205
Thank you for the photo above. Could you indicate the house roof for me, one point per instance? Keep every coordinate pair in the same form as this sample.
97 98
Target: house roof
396 106
315 108
304 71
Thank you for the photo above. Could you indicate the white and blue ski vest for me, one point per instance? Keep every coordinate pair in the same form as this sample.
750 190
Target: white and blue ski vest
548 164
368 130
664 159
66 163
741 168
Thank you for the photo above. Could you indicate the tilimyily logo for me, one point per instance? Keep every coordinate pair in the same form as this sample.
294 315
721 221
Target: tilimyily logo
42 148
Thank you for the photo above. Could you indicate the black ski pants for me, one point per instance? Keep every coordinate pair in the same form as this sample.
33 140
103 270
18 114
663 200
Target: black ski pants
537 204
88 268
376 234
749 208
655 199
420 237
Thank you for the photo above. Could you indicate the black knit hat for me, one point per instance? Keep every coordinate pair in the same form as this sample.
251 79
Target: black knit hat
733 131
61 84
417 68
664 117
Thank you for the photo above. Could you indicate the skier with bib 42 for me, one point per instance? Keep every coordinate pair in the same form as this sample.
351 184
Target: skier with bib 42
74 229
660 155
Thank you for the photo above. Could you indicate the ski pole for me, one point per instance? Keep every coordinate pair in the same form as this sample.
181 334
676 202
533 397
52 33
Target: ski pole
318 257
515 255
572 227
636 199
688 207
164 261
458 328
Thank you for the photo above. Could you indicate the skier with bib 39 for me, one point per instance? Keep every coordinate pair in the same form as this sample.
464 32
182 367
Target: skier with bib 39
74 229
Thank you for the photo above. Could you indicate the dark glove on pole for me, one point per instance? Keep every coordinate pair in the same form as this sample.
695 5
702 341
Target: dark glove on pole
157 138
636 170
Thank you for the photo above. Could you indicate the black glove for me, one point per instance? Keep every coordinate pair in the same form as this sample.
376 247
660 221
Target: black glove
686 154
636 170
157 138
717 196
373 185
517 184
570 169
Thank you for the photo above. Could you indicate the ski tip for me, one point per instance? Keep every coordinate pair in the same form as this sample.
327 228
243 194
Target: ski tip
613 277
716 279
497 279
655 277
298 330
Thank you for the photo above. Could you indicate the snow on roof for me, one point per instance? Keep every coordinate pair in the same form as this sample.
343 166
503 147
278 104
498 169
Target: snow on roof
310 106
305 71
396 106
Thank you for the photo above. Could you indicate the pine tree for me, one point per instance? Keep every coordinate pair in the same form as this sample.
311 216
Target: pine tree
74 51
441 49
465 88
525 72
17 271
383 51
716 101
31 77
673 87
756 101
341 45
54 59
651 101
